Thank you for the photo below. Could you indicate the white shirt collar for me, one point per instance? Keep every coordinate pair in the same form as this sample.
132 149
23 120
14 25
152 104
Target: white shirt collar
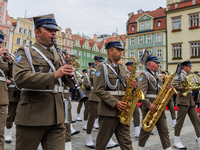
114 64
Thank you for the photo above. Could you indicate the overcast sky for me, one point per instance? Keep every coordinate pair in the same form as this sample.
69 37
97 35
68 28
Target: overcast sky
85 16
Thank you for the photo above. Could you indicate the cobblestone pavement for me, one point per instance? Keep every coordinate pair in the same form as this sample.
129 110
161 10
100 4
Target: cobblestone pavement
153 143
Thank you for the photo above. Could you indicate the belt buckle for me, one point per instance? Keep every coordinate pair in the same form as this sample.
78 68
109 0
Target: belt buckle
56 89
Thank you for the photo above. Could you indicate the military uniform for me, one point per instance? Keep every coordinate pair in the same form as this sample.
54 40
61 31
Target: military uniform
108 88
4 72
39 113
147 82
186 105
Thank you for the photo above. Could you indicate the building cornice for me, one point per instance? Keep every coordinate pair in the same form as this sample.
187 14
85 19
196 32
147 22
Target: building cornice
182 9
145 32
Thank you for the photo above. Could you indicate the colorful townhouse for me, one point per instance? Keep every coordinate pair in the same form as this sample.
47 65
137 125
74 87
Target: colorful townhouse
23 32
147 30
6 25
183 33
68 41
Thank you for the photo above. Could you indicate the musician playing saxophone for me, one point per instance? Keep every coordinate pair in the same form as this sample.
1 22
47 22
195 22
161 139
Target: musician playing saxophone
186 105
38 72
150 84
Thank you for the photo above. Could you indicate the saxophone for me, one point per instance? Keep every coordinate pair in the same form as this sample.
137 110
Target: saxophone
160 102
130 98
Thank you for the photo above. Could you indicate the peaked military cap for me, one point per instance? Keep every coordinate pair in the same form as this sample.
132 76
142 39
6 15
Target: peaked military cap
99 58
91 64
1 36
46 21
152 58
115 44
129 64
84 70
186 63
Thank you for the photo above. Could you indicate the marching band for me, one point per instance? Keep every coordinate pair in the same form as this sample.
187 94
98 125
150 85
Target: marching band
35 94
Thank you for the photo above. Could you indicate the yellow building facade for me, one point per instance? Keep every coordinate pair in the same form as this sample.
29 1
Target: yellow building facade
183 33
23 33
59 38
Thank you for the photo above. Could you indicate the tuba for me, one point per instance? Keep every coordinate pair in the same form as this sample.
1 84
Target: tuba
193 81
130 98
160 102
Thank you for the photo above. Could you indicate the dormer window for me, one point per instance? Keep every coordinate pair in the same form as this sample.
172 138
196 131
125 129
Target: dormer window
159 24
133 28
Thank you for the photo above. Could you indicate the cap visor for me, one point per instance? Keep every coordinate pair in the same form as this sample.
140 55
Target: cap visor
1 40
120 47
50 26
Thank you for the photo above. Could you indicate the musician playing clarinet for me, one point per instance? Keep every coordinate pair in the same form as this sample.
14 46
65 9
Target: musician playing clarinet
37 72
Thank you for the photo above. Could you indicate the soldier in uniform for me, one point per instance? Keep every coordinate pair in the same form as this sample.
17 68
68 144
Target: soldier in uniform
150 83
186 105
109 85
170 105
136 113
38 72
93 108
4 73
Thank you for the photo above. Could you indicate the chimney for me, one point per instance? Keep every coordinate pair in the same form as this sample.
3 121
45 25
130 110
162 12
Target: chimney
140 11
130 15
95 38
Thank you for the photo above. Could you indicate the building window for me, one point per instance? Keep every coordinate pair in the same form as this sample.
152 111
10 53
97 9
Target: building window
176 23
140 54
30 42
18 41
6 32
159 24
25 31
159 38
195 49
132 41
132 28
60 40
78 53
93 56
4 44
88 55
177 51
159 71
83 63
24 42
74 52
83 54
142 26
159 53
140 68
69 51
132 54
148 25
20 30
1 0
0 18
149 39
1 8
69 43
194 20
65 42
141 41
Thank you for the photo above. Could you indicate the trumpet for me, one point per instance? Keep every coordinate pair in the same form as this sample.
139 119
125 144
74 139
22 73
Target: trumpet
10 59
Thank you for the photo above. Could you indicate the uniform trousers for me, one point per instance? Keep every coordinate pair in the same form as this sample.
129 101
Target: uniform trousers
93 108
170 106
86 110
162 128
51 137
80 104
110 125
192 113
3 115
11 114
136 116
68 132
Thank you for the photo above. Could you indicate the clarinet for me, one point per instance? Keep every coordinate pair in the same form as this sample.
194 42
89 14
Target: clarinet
81 95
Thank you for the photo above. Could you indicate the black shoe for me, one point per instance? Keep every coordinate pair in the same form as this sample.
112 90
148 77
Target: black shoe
76 132
116 145
96 128
181 148
84 129
90 146
152 133
137 137
8 141
73 121
78 120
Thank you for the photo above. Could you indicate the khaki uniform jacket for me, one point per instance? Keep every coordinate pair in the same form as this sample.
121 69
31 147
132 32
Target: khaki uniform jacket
107 104
182 100
3 86
93 97
144 85
86 84
38 108
11 91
